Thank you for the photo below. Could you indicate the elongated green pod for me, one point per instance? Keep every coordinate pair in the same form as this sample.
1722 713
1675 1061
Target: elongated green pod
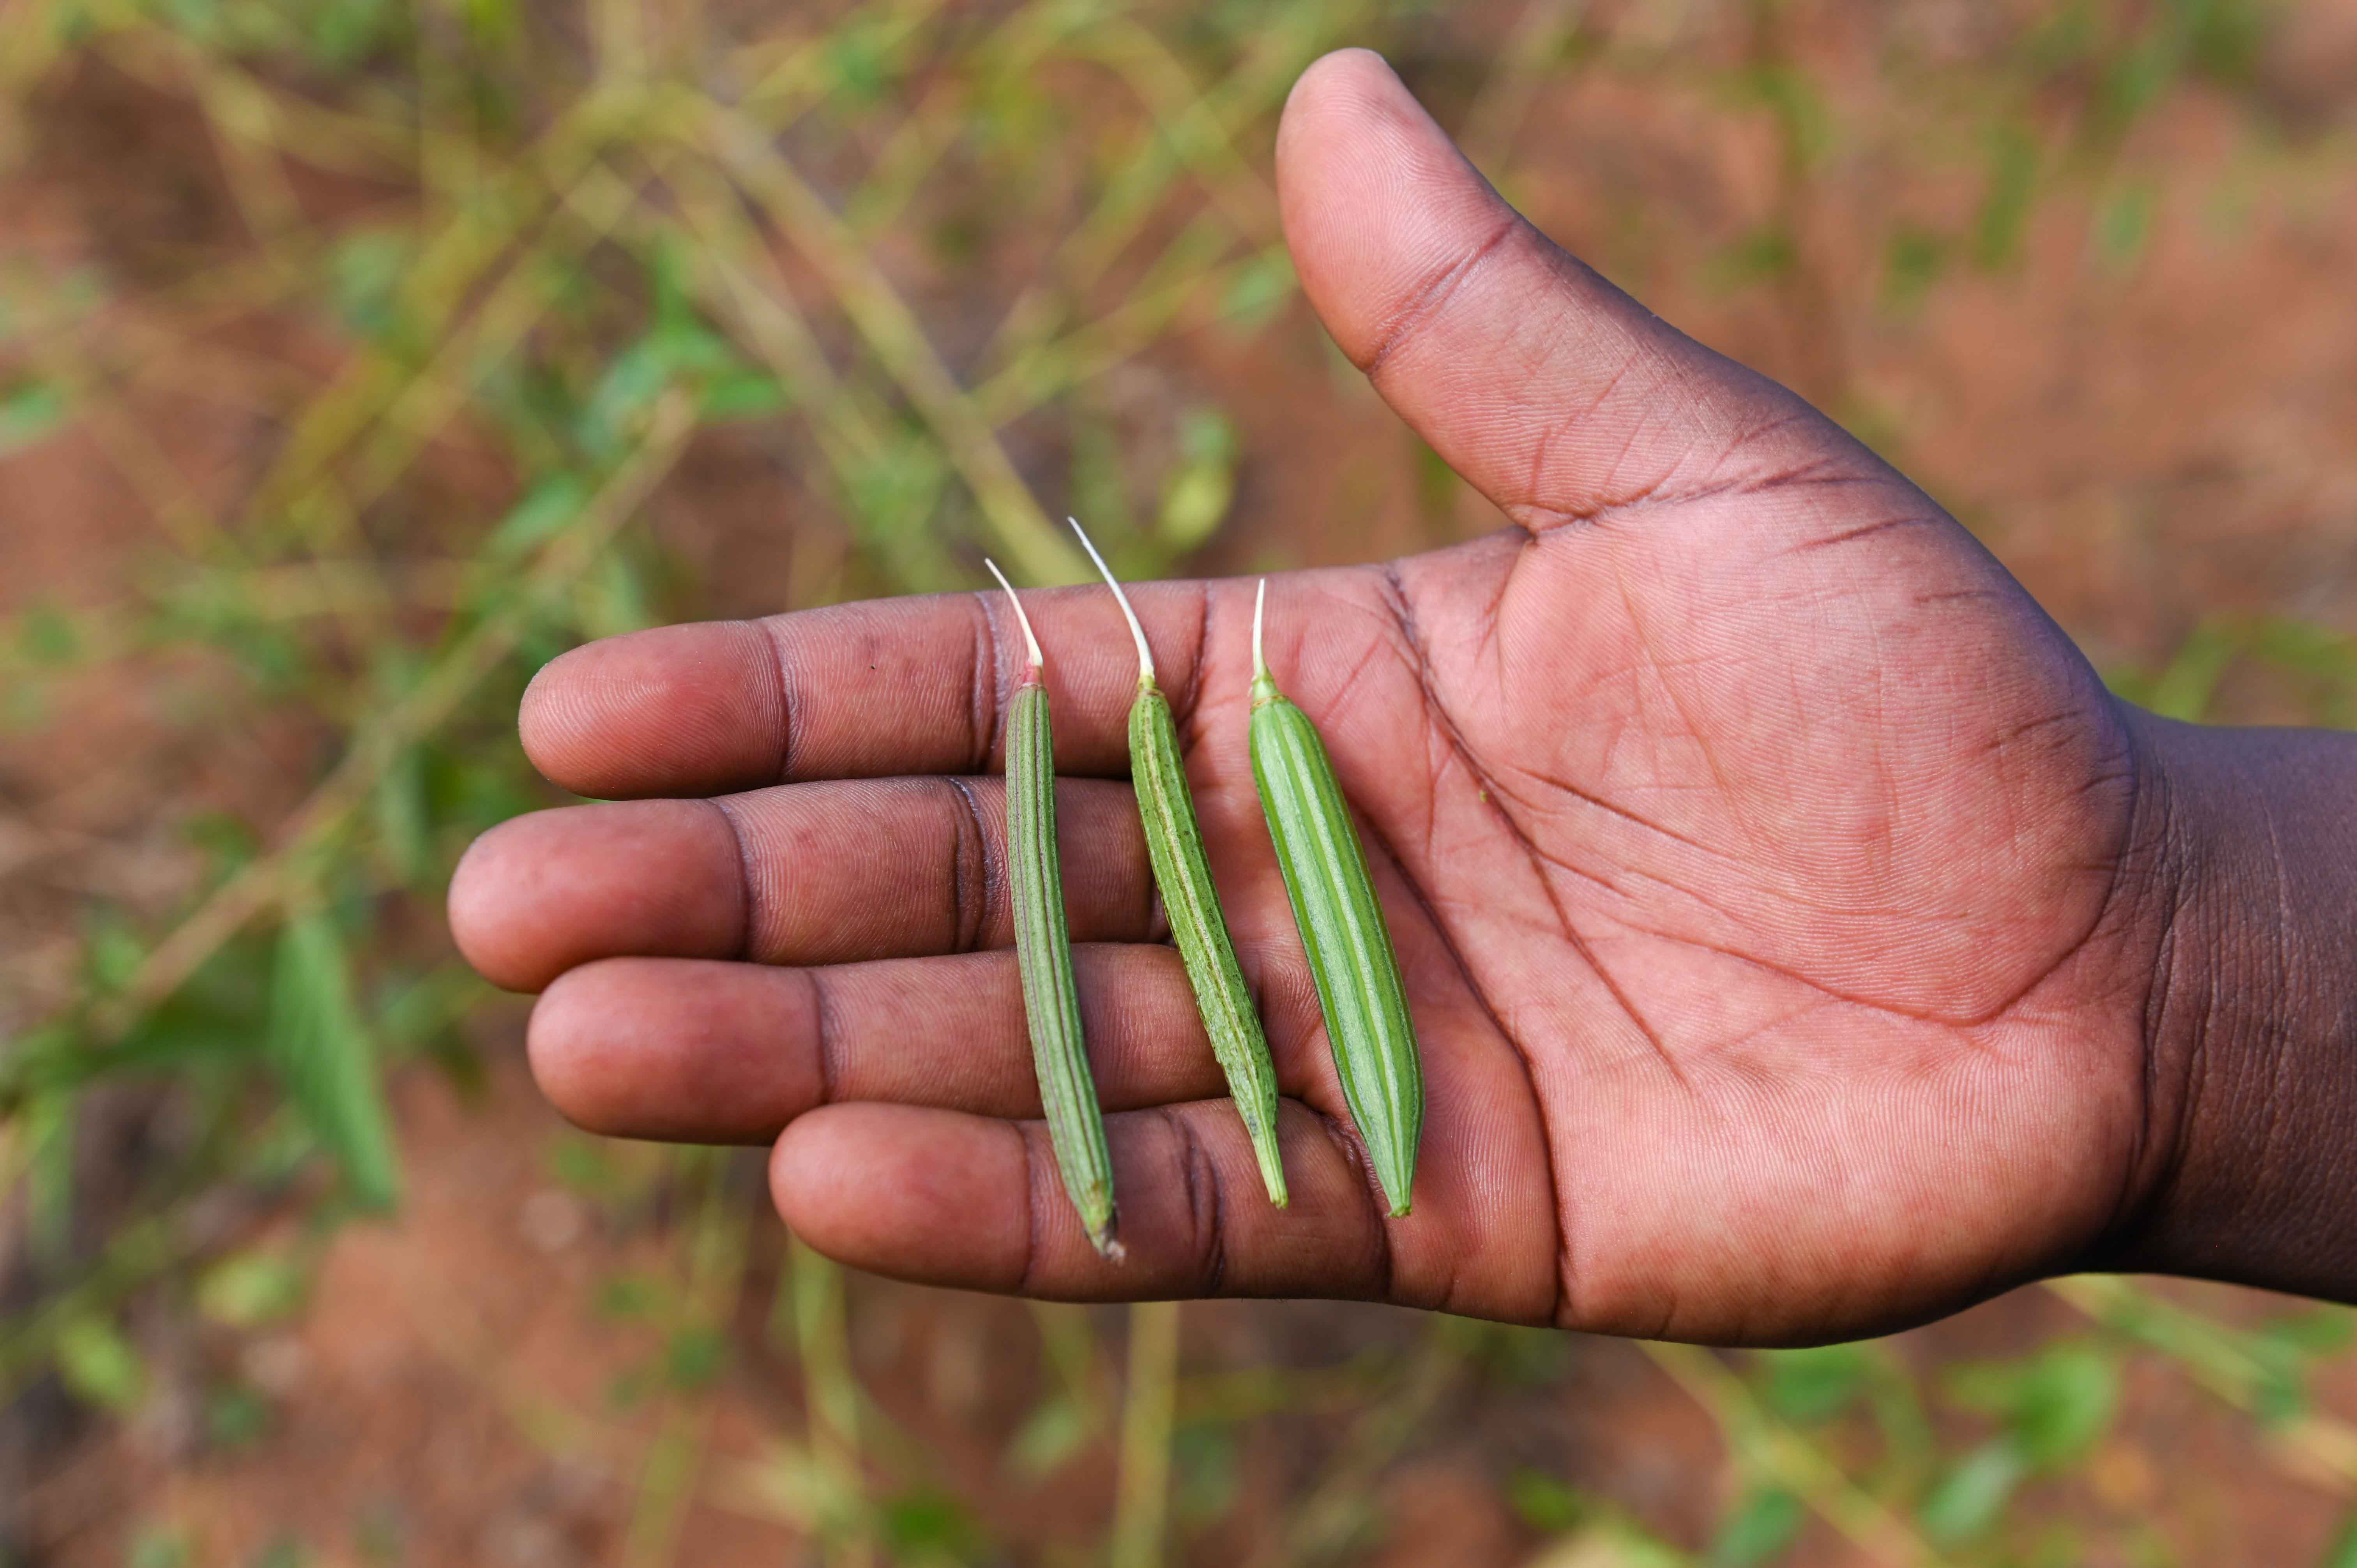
1043 951
1174 844
1342 928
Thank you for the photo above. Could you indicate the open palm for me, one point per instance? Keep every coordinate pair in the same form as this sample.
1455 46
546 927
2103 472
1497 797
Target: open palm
1753 843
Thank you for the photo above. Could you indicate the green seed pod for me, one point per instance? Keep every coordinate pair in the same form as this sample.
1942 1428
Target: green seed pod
1174 843
1342 930
1043 948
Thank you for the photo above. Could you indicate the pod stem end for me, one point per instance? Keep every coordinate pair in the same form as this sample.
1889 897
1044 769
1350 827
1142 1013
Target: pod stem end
1012 598
1259 607
1264 689
1145 654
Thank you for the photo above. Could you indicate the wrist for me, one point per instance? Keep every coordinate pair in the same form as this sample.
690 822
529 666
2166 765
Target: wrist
2244 856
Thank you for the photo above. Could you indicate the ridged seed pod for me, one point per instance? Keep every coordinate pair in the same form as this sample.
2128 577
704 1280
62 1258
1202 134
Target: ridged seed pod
1043 951
1174 844
1342 930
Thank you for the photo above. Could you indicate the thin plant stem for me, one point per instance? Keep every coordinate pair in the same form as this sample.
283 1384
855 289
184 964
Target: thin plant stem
1142 1490
263 880
892 333
1778 1450
831 1399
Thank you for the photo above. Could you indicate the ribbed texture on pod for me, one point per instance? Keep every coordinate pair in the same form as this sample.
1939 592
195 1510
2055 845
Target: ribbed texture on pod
1175 845
1342 930
1052 1004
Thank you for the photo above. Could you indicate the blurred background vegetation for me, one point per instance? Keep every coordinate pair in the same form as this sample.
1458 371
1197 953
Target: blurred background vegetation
357 356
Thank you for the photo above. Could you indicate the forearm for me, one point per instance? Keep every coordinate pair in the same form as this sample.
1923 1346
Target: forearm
2248 844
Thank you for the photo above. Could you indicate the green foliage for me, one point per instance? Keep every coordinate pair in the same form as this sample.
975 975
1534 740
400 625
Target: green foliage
1050 1435
1544 1503
29 413
158 1546
1809 1386
2009 199
925 1525
1972 1494
1258 289
282 1551
247 1290
321 1048
1196 497
2341 1552
364 276
2320 662
98 1363
2124 225
236 1417
1913 260
1207 1474
2054 1404
694 1358
1760 1528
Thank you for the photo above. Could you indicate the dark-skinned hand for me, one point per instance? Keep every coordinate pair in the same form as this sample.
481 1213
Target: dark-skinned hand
1773 881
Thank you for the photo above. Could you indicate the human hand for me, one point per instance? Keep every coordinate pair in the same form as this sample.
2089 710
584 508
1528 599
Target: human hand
1777 887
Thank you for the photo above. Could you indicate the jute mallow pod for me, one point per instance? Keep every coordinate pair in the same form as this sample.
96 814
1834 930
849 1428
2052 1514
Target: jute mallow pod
1341 922
1043 951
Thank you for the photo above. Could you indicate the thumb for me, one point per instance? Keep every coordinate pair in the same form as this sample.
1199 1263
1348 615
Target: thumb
1552 392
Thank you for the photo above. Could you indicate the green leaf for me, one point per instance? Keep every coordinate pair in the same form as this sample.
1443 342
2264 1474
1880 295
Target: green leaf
398 807
1803 116
2319 1331
365 273
612 598
159 1546
284 1551
2056 1403
1812 1385
1913 260
98 1364
1052 1433
48 1125
924 1523
859 59
322 1051
2342 1551
249 1289
1973 1494
1760 1528
235 1417
2124 225
46 635
694 1357
540 516
1260 286
29 411
2003 223
2183 690
1205 1475
1196 499
745 394
2226 38
1545 1504
1099 489
1765 254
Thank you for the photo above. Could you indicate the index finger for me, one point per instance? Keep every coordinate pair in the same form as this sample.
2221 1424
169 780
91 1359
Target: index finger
870 690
